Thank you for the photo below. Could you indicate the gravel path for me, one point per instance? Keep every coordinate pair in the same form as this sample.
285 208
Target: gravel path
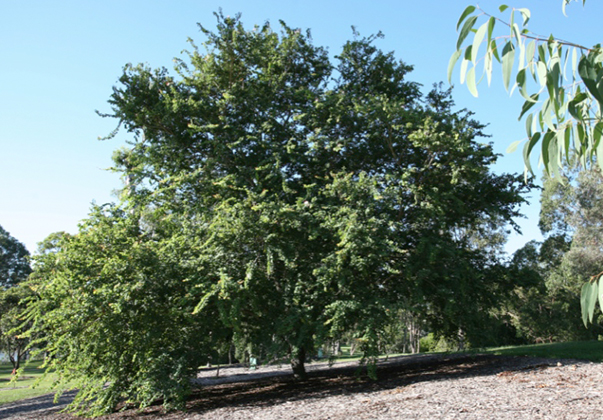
416 387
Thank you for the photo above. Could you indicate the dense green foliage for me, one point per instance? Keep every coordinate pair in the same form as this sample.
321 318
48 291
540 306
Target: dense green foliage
14 269
14 260
546 303
12 304
576 214
273 201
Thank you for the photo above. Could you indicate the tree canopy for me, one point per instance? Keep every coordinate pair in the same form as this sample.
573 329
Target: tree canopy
14 260
14 269
12 305
273 200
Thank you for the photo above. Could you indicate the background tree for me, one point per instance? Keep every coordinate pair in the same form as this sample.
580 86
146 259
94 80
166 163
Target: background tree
544 307
579 209
14 268
12 305
14 260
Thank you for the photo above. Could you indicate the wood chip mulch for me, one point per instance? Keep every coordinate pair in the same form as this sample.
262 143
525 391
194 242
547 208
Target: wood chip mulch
410 387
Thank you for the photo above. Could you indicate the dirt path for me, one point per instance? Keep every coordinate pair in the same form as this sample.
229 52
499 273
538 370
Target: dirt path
416 387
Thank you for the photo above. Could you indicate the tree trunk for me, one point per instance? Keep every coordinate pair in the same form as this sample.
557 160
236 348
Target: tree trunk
461 336
15 361
297 364
336 348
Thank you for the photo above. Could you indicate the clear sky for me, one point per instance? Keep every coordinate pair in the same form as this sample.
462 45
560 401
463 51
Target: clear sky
60 59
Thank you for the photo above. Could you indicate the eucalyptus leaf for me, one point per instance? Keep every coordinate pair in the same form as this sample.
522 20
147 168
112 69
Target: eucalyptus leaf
477 40
468 10
513 146
471 81
588 301
453 60
508 58
525 13
467 27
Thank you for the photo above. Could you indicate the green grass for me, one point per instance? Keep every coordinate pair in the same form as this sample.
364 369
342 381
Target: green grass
585 350
21 388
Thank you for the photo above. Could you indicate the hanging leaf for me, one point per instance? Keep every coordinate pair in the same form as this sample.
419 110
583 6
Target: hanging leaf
598 143
542 72
592 75
555 147
453 60
464 66
573 105
588 300
477 40
568 142
528 104
488 66
468 10
529 120
574 62
521 83
507 63
491 23
600 293
527 151
513 146
471 85
525 13
465 31
544 152
494 49
530 50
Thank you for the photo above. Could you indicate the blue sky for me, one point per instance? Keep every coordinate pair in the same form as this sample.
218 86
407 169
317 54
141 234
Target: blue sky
60 60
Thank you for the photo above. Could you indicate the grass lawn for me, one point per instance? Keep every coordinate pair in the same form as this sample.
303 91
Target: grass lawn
21 389
585 350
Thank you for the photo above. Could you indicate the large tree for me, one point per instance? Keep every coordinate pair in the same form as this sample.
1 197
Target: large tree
276 200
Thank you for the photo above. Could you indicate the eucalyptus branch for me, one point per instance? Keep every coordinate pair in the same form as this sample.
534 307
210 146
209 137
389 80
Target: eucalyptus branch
536 37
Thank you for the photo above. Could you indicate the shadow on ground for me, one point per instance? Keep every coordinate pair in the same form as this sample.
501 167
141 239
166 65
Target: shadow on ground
31 406
394 373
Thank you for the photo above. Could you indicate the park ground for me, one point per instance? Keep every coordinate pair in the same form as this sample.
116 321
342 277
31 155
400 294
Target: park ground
491 385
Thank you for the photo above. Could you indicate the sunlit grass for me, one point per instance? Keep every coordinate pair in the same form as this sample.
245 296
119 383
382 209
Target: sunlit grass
584 350
21 388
